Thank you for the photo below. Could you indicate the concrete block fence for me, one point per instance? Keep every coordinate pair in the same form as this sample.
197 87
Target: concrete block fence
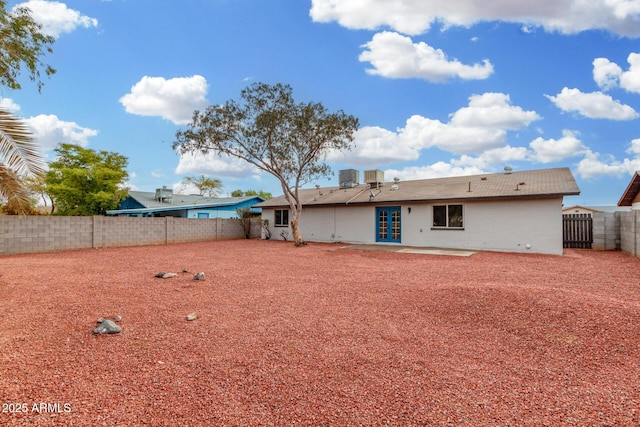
617 231
28 234
630 232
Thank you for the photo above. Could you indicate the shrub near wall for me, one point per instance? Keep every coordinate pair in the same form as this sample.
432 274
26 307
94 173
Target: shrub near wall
28 234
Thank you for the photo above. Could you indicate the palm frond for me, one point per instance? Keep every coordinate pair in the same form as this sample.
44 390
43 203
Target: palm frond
13 189
18 151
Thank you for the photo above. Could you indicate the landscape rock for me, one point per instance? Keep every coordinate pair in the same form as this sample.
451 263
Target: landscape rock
107 327
193 316
199 276
169 275
160 274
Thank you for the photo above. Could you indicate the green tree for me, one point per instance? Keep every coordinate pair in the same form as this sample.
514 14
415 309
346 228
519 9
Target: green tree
239 193
22 44
208 187
268 129
82 181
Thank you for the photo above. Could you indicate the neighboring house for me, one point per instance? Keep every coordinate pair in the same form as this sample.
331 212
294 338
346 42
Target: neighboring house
511 211
631 196
590 210
163 202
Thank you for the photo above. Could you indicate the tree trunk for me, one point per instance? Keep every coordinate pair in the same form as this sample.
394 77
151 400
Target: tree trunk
297 237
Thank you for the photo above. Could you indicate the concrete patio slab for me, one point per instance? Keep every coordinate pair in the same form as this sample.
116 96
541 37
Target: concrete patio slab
412 250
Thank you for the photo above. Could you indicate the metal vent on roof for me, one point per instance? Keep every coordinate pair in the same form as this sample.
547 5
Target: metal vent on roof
164 194
375 178
349 178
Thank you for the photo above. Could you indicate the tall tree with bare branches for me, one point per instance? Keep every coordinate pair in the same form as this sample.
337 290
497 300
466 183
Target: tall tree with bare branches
271 131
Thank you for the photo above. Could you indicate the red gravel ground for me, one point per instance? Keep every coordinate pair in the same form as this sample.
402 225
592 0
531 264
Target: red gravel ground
319 335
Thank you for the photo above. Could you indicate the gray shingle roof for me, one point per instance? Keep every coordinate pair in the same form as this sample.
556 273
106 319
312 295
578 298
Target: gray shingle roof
148 200
525 184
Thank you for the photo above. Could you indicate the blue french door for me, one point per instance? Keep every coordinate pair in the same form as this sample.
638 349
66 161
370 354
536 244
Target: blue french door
388 224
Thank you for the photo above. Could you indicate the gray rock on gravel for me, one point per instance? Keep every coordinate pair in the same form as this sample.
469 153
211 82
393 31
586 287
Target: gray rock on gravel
169 275
107 327
199 276
193 316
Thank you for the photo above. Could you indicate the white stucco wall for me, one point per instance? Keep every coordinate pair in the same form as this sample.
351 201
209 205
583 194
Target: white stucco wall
511 226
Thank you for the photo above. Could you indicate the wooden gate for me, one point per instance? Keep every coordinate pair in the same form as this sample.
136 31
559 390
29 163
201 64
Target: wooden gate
577 231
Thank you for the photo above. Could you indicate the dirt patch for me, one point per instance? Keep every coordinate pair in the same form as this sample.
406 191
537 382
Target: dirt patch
319 335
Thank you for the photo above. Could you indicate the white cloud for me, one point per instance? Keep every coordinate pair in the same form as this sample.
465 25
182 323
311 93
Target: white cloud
634 148
493 111
594 105
436 170
606 74
554 150
540 150
173 99
49 131
212 164
8 104
630 80
415 17
593 166
395 56
479 127
496 156
374 144
609 75
56 18
182 188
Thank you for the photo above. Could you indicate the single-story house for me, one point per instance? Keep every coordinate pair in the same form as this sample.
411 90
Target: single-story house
590 210
163 202
631 195
510 211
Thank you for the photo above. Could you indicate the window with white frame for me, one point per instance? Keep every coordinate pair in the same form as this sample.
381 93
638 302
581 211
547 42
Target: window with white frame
282 218
447 216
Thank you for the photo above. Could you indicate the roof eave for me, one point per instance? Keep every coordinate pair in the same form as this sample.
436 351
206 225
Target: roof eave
631 191
432 200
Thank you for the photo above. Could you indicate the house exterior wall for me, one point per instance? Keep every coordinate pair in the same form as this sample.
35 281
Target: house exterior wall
512 226
578 210
213 213
230 211
533 225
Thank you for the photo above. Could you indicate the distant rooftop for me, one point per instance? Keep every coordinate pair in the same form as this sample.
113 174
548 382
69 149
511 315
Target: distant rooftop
148 199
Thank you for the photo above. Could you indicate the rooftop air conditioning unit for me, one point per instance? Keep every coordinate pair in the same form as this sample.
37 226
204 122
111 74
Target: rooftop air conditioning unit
374 178
164 194
349 178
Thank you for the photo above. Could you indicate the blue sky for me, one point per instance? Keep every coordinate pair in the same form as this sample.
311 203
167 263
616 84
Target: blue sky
441 87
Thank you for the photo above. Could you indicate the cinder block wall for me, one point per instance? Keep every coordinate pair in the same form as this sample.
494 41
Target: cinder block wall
606 231
28 234
630 232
